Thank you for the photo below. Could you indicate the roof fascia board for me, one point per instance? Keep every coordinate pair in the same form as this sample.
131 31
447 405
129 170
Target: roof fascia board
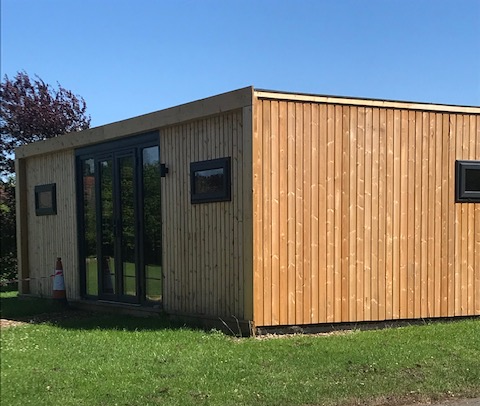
266 94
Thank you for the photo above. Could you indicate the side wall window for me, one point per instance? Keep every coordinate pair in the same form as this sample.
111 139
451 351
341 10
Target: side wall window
46 199
210 181
467 181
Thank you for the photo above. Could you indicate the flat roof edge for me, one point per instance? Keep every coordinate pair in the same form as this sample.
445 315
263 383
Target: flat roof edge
197 109
209 106
367 102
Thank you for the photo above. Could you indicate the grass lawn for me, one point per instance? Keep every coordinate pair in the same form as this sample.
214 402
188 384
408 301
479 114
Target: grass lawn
92 359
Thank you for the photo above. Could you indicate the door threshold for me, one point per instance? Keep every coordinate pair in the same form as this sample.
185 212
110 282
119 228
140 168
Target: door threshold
115 303
108 306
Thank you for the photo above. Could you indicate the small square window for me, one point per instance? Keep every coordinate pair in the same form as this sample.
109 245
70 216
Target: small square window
467 178
46 199
210 181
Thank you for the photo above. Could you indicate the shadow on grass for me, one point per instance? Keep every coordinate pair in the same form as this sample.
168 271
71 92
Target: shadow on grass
36 311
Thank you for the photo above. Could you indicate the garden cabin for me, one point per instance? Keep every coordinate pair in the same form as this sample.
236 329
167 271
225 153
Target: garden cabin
261 209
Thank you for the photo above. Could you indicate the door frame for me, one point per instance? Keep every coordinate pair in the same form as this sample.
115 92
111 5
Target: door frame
114 150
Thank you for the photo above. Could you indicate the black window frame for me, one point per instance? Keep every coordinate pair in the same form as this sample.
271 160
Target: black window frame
46 211
220 196
462 195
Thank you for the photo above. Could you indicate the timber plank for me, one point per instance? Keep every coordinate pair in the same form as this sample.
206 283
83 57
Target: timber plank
323 211
424 211
431 217
410 266
283 209
346 198
418 215
352 274
437 237
330 212
299 225
382 211
314 217
367 299
338 215
375 215
469 308
258 233
307 212
458 224
275 209
397 176
291 220
444 215
267 213
389 217
451 215
360 290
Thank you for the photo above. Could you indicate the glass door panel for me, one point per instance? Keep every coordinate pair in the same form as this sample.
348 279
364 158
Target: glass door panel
152 234
128 225
90 227
107 224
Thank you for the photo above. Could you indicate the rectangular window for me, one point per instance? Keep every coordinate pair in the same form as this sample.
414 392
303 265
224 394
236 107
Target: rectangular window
46 199
210 181
467 178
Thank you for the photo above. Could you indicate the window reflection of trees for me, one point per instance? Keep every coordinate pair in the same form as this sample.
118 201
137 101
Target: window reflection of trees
89 208
152 237
90 222
210 181
106 202
127 209
126 224
152 210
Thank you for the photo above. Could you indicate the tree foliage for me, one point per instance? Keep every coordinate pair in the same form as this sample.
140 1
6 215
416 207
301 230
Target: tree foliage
8 268
31 110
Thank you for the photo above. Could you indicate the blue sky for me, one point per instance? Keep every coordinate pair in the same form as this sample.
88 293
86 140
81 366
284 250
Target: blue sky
131 57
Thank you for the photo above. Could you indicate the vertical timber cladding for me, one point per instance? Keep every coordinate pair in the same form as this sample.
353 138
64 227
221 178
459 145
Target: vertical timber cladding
355 217
203 243
52 236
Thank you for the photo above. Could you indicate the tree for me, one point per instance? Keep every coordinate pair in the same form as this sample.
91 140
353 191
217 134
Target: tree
8 267
30 110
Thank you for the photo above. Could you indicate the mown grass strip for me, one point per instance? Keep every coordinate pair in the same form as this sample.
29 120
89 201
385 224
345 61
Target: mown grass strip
107 360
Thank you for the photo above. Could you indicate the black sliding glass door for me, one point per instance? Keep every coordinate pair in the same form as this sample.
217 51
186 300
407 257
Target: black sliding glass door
120 220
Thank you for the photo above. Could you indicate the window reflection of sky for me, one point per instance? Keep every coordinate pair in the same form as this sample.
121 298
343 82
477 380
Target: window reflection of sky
209 172
150 155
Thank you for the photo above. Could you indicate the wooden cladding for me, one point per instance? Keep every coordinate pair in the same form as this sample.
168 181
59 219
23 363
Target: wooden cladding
203 254
49 237
355 216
